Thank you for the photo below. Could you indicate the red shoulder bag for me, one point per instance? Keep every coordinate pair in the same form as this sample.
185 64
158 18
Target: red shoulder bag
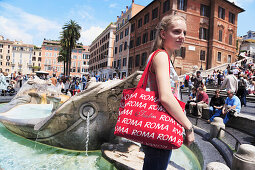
143 119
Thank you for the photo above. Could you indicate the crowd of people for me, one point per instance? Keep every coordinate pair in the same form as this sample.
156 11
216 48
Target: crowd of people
237 80
68 85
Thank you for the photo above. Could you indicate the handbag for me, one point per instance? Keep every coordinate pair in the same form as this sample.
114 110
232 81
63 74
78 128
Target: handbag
143 119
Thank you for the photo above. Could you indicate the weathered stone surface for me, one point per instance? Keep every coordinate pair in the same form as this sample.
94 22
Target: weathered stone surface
215 128
244 158
127 156
217 166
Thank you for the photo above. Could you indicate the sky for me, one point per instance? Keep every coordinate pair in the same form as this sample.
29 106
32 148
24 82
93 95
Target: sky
33 20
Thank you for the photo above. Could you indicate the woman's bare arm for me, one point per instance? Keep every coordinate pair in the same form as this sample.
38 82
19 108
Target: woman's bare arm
160 66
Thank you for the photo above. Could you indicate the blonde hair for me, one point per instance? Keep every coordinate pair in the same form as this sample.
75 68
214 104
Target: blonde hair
165 23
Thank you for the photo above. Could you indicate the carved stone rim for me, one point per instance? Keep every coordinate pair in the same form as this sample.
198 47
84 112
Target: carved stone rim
92 106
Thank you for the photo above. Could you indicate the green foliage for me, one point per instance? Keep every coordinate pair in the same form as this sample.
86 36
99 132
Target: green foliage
68 39
36 67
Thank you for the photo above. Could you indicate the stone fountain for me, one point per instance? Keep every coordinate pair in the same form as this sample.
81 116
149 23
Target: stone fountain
66 126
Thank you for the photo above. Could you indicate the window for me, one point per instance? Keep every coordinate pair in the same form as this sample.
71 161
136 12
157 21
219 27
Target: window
124 63
145 37
117 37
137 60
181 52
220 35
204 10
153 34
120 48
182 5
230 39
131 44
231 18
116 50
138 41
144 55
203 33
133 27
118 64
125 45
126 32
140 23
229 58
1 45
146 18
121 35
130 62
154 13
219 56
166 6
202 55
221 12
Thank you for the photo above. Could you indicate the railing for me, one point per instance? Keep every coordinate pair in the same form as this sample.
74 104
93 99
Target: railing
238 143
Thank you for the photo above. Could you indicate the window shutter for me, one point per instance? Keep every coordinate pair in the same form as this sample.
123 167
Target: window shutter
200 33
185 5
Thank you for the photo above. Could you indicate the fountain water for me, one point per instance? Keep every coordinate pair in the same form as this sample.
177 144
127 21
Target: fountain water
87 129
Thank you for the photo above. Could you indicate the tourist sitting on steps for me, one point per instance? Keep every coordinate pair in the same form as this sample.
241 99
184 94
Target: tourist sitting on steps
200 104
216 105
192 98
231 107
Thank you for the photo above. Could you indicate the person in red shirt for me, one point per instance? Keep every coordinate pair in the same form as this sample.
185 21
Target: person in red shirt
202 101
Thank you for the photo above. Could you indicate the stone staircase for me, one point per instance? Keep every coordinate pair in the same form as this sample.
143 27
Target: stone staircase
222 67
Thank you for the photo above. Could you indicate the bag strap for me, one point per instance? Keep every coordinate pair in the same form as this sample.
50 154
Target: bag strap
144 79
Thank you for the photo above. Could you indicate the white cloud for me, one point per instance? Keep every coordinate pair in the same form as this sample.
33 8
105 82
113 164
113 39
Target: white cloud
241 2
89 35
17 24
82 12
114 5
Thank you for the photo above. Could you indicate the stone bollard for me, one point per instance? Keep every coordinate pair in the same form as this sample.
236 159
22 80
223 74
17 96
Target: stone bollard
215 128
217 166
244 158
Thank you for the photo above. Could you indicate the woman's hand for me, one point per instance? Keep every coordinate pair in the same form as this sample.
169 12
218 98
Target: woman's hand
190 138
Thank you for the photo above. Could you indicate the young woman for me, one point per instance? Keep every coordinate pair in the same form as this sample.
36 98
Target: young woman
169 37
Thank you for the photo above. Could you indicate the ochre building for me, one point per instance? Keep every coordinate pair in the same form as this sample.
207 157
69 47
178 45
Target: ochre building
211 33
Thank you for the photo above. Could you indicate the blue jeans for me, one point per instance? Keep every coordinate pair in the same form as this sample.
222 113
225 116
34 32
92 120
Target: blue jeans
155 159
217 113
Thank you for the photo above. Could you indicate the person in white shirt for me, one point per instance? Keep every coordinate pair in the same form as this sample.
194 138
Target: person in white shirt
230 82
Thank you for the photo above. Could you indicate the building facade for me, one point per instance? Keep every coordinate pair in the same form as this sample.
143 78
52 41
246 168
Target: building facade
101 53
15 56
122 38
250 35
248 46
36 59
210 39
50 52
5 55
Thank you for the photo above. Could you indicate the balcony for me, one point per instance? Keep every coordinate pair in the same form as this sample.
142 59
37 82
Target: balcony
13 64
29 64
20 64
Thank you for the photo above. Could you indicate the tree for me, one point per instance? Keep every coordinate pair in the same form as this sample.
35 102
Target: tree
62 58
68 40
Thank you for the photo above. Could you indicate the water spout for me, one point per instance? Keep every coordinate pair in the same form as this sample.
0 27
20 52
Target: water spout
87 131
